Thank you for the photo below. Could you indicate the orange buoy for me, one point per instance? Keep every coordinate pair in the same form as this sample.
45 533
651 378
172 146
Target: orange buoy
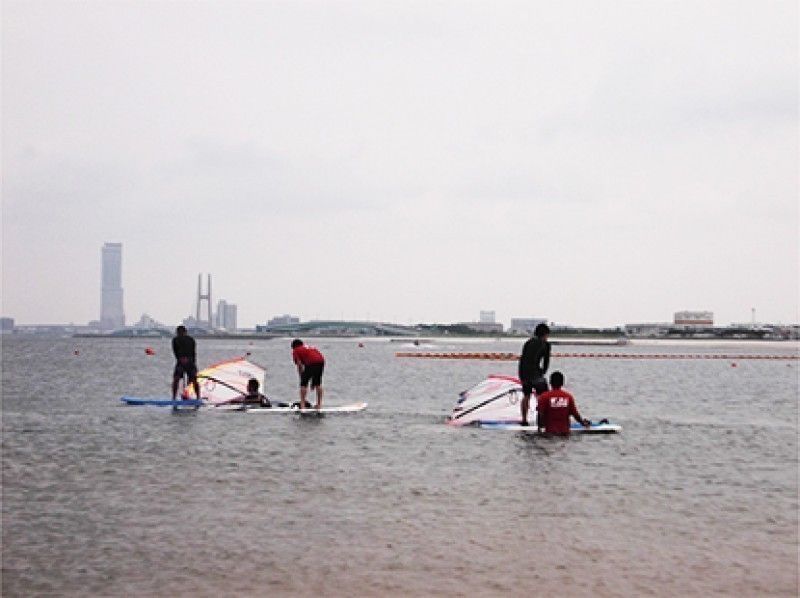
149 351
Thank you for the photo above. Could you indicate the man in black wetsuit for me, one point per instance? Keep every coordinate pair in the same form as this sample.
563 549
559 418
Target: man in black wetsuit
183 347
533 364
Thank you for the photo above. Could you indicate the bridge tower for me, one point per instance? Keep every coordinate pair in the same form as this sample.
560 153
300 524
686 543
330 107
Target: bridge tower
201 296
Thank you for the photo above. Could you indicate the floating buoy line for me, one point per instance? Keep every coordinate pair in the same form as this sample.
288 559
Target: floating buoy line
514 357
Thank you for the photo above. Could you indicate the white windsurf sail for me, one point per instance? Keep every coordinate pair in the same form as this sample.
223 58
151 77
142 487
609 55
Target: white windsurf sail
227 380
495 399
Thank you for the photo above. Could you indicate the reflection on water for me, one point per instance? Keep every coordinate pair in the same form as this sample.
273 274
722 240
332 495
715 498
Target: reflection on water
697 495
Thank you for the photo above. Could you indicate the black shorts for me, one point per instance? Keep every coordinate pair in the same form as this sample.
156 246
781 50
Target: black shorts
190 369
313 373
534 384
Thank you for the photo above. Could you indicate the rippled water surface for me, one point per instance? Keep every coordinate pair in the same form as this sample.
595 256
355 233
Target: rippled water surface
698 495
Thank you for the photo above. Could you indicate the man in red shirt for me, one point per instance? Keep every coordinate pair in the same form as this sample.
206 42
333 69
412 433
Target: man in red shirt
310 363
554 407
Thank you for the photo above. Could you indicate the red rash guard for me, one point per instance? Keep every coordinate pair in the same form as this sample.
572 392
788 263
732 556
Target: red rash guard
307 355
556 406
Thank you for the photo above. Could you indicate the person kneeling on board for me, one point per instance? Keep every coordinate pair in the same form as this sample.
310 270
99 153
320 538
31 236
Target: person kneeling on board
253 397
554 407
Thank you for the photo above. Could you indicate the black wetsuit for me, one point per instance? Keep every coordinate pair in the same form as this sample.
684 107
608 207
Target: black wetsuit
185 354
533 364
257 399
262 400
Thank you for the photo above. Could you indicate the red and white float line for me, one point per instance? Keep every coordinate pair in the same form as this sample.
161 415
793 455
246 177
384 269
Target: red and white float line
515 357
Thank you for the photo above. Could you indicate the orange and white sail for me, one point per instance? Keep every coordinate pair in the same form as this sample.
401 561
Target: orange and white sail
226 380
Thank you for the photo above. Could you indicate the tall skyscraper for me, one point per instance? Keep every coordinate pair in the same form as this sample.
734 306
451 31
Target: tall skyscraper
111 312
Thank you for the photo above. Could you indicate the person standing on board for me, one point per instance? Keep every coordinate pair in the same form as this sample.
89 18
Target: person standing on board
310 364
533 364
183 346
554 408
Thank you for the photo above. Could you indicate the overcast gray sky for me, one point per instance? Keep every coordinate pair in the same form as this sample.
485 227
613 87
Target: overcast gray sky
594 163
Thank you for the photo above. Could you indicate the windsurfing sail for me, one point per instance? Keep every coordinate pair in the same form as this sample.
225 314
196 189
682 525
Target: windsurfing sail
495 399
226 380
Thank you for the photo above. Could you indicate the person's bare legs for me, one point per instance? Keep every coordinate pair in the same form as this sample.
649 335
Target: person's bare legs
303 393
526 399
319 397
196 389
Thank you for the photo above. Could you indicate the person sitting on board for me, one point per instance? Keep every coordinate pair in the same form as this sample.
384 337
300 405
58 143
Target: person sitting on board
253 397
310 364
184 348
554 407
533 364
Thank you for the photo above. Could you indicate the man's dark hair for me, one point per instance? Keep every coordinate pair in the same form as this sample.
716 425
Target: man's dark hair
556 379
297 343
541 330
181 329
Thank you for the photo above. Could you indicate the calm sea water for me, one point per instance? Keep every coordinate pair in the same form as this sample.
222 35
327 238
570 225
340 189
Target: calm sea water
697 496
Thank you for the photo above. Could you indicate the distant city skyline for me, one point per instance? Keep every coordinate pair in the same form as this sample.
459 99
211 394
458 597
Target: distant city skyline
593 163
226 314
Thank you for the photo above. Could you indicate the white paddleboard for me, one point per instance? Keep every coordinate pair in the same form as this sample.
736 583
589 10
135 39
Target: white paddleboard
575 428
349 408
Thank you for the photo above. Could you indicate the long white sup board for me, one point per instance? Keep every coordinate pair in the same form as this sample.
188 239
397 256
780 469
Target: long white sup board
349 408
575 428
205 406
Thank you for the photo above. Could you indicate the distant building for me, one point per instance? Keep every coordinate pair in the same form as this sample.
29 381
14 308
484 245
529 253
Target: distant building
335 328
226 315
648 330
694 318
148 323
191 322
525 325
487 317
53 330
284 320
112 314
6 325
484 327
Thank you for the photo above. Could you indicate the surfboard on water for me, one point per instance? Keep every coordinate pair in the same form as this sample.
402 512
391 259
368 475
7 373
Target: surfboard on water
575 428
161 402
349 408
234 408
